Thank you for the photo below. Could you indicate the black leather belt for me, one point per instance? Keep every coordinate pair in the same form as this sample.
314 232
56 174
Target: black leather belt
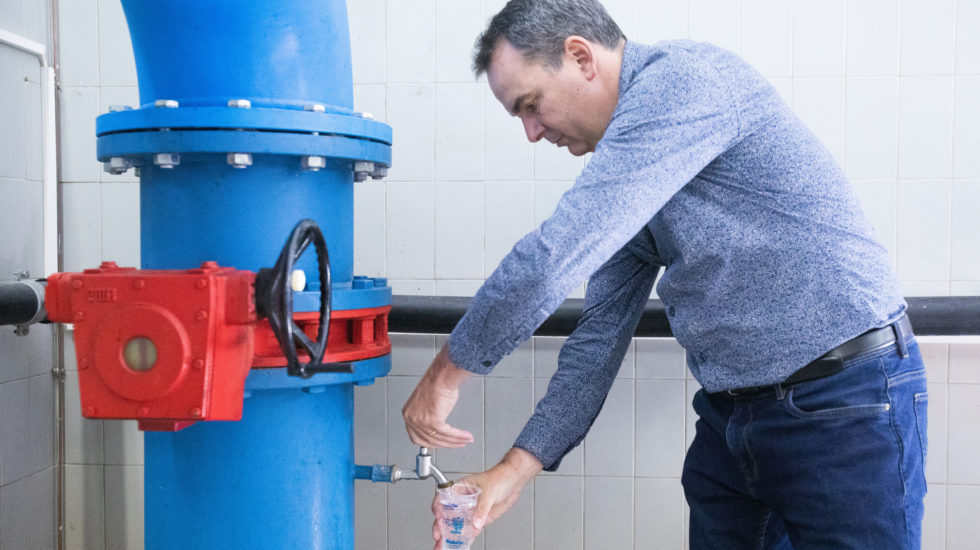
832 362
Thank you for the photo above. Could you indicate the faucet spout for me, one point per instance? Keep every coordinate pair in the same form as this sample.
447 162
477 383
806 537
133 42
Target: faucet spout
425 469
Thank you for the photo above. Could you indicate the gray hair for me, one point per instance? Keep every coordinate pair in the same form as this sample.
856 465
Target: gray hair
538 29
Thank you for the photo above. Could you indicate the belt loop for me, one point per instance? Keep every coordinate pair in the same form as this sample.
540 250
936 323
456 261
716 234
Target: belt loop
780 392
903 348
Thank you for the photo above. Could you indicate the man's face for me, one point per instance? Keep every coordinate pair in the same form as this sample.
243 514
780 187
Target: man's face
552 104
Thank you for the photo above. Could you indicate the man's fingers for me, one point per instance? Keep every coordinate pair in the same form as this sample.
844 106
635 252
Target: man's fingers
483 506
444 436
436 533
455 434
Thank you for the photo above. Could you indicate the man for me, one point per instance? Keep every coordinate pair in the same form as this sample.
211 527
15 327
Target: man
812 413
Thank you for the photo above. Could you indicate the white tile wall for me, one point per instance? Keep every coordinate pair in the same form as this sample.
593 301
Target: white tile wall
411 114
558 509
661 20
964 232
715 21
967 42
819 29
123 507
609 445
410 41
459 132
878 200
120 223
117 66
508 155
934 522
919 259
27 397
937 433
927 37
459 208
410 221
15 514
367 41
966 127
925 127
15 448
457 24
509 215
369 228
871 128
15 254
85 519
515 529
819 102
888 85
79 107
660 428
962 529
78 24
608 513
13 163
659 513
767 36
81 225
872 37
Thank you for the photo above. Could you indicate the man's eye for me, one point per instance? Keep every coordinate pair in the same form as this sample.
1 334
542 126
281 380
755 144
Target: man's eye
530 108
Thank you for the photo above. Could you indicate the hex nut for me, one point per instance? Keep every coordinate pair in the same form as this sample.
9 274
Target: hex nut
117 165
240 160
313 162
119 108
240 103
363 166
166 160
167 103
315 107
380 172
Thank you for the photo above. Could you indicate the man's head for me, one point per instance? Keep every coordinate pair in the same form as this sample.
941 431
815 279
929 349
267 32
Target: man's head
555 64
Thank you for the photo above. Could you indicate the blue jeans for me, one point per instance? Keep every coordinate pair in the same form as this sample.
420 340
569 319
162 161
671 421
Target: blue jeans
835 463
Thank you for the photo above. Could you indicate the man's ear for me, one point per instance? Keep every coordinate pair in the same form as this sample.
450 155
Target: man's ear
578 50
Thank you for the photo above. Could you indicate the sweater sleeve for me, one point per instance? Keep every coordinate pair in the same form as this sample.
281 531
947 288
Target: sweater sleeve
590 358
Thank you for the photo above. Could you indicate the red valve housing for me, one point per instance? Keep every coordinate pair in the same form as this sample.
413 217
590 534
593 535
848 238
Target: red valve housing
165 347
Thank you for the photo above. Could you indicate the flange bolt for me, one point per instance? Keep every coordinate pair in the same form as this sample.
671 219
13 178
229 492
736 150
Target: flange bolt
240 160
313 162
117 165
362 169
166 160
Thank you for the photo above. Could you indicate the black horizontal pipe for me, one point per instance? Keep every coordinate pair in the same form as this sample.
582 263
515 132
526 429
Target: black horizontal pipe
930 316
19 302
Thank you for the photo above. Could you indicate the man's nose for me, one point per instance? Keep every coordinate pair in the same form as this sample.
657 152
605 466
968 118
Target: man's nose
534 129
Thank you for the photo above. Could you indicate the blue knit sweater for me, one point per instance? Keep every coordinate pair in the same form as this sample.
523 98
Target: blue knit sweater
706 172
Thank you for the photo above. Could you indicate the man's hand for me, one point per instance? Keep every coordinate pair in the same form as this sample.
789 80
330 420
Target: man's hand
500 487
427 408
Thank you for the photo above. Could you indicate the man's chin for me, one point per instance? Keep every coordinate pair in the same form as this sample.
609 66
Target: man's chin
577 149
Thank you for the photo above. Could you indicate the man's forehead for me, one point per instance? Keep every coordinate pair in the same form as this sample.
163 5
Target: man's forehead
510 74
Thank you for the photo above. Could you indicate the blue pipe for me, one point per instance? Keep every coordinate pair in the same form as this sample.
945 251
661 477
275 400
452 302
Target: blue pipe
245 126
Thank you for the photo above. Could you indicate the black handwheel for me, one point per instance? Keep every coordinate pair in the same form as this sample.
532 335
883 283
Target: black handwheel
274 300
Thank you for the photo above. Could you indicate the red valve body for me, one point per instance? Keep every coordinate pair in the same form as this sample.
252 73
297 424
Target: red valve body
171 347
